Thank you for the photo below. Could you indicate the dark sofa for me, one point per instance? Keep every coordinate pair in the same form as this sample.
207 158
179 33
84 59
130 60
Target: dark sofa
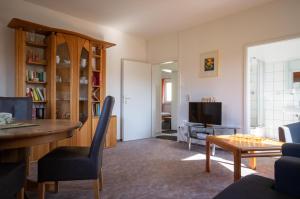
285 186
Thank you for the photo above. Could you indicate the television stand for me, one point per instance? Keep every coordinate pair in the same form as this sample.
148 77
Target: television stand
201 134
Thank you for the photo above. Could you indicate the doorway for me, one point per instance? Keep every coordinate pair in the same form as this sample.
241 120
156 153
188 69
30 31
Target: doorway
165 100
136 100
273 92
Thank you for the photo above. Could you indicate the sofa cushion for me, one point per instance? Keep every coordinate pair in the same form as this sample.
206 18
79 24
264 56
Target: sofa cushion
252 187
295 132
287 175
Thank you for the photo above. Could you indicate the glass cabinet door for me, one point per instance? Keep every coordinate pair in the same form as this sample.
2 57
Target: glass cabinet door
63 79
83 82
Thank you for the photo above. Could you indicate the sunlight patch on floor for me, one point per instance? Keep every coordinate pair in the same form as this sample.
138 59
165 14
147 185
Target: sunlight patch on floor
225 163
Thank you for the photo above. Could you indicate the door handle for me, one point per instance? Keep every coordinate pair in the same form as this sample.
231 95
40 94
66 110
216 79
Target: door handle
126 99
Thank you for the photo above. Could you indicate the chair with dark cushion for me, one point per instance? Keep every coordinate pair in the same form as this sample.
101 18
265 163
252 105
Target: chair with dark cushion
77 163
285 186
12 179
19 107
12 175
287 170
290 133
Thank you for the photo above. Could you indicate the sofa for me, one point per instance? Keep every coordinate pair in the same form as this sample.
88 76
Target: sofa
286 184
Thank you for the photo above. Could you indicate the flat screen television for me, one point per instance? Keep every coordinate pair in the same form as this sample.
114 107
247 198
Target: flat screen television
205 112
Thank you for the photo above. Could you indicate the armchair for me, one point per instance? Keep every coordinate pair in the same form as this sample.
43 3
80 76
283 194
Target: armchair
287 170
285 186
290 133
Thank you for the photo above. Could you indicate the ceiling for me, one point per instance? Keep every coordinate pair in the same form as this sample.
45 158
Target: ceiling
277 51
149 18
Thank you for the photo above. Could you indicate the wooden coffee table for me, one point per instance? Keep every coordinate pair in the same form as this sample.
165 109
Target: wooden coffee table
243 146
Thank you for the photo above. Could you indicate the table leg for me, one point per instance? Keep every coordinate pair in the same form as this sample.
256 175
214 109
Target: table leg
237 165
252 163
213 152
207 156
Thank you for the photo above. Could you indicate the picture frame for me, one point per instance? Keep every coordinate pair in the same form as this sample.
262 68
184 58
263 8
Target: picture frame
209 64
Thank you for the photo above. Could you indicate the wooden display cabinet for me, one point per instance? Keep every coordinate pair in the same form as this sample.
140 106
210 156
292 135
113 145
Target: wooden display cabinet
68 70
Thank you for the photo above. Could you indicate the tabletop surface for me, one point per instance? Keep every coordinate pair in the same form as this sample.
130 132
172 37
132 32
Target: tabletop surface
44 127
246 142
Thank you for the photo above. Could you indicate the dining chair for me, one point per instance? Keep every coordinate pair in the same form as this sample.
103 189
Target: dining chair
13 175
77 163
12 179
19 107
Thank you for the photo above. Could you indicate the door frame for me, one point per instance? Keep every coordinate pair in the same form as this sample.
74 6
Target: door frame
178 95
122 96
246 68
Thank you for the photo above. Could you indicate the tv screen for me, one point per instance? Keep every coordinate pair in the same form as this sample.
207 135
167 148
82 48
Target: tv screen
205 112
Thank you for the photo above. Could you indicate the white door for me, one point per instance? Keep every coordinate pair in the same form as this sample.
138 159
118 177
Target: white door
136 100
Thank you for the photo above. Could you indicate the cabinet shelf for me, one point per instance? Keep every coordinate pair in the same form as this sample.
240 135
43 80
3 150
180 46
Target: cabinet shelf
96 56
63 82
37 63
63 66
36 45
33 82
39 101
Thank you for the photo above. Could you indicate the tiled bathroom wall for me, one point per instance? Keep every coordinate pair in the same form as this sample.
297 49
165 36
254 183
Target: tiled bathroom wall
281 96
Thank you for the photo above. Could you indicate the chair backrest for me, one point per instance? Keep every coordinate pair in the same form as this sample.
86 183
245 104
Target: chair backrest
97 146
290 133
19 107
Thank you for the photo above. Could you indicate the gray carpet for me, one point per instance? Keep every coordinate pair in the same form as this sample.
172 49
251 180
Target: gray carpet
158 169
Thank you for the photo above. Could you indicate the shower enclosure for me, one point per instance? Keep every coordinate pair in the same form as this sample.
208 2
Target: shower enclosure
256 93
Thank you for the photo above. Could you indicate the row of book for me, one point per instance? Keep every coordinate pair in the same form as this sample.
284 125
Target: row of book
38 111
96 109
37 94
36 76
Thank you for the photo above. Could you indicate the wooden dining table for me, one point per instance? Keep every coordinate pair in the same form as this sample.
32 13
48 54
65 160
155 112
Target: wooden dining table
15 143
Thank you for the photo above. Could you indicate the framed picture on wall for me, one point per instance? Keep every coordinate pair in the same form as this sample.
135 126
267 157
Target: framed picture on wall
209 64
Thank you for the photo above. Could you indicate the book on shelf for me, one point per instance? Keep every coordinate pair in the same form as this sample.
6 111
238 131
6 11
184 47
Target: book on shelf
37 94
34 76
38 111
96 109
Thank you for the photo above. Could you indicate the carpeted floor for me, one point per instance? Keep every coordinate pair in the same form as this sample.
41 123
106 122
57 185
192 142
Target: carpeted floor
159 169
167 137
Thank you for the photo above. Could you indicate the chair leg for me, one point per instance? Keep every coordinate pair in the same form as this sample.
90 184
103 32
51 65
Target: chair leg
56 186
41 190
20 194
96 189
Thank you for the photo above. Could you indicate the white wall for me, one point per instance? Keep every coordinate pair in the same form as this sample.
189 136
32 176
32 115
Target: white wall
127 46
162 49
229 35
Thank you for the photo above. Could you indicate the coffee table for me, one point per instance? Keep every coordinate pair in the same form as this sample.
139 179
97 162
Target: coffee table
243 146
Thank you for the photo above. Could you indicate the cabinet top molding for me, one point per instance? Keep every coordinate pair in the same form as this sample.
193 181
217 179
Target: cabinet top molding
46 30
